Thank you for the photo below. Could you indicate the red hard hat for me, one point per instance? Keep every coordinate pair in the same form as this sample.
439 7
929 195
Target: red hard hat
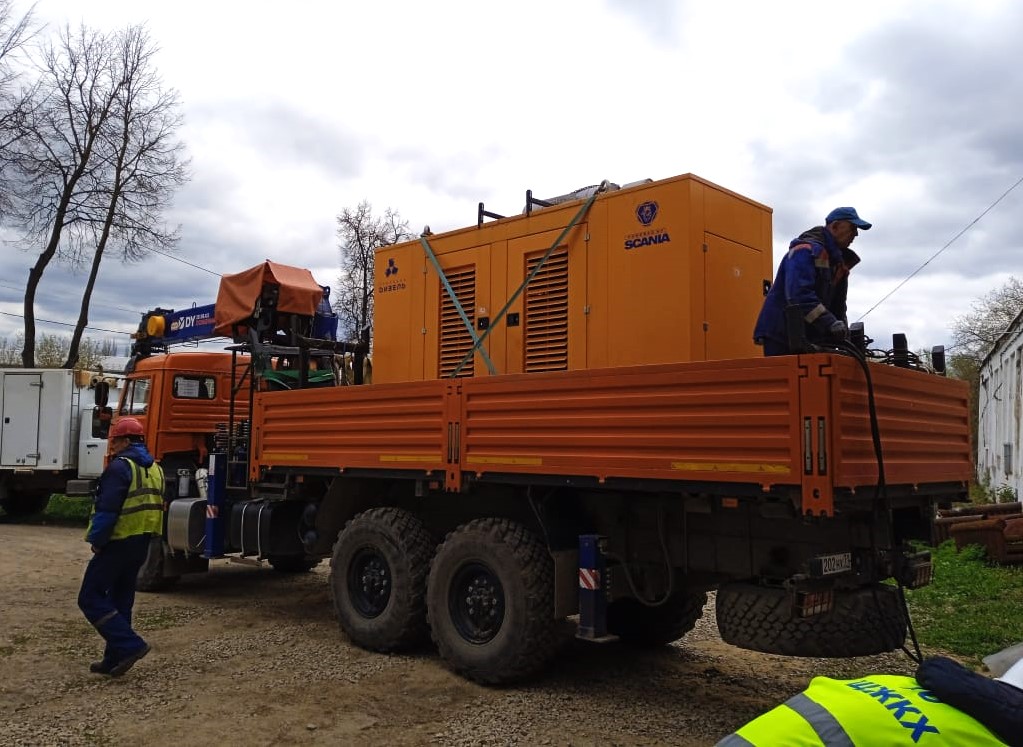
126 427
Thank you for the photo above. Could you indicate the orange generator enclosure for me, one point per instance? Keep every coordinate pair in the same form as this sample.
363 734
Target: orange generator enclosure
660 272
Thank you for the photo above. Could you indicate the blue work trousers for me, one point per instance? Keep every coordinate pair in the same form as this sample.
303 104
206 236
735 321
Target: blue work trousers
108 594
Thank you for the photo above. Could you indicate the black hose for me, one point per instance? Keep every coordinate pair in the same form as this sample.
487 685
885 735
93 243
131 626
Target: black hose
881 497
662 536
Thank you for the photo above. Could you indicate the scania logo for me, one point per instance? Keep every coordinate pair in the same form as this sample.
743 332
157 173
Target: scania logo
646 213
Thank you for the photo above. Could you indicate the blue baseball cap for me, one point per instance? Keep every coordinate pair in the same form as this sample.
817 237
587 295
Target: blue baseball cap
849 214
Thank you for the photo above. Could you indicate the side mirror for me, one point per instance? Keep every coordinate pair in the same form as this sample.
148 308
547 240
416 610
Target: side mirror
938 359
102 393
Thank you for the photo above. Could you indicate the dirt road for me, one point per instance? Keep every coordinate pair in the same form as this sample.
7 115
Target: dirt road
247 656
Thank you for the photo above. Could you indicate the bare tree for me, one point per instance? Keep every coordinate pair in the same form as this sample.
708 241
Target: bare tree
976 333
9 352
73 105
360 234
97 160
143 165
52 350
90 355
14 101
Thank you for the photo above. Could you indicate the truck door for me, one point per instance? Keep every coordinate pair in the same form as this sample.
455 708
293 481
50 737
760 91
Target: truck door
92 441
19 439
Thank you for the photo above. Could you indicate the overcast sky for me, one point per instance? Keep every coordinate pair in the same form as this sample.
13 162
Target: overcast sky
909 111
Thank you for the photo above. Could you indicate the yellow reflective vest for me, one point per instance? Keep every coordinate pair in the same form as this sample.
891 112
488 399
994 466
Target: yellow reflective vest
887 710
142 512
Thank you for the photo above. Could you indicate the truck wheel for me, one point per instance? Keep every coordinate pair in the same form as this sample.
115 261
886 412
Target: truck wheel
861 623
639 625
19 505
152 576
490 601
292 563
378 579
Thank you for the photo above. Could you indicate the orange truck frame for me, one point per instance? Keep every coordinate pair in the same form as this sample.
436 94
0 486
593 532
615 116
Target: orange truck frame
512 465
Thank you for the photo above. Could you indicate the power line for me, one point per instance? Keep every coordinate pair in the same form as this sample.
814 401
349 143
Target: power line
951 241
53 295
67 324
185 262
120 308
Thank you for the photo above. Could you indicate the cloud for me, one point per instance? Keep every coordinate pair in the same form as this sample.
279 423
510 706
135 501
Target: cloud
910 122
657 18
275 132
908 113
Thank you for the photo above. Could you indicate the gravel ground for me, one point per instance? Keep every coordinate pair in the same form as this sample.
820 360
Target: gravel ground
247 656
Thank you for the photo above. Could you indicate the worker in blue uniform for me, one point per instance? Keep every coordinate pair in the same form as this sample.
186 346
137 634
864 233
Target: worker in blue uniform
812 282
127 512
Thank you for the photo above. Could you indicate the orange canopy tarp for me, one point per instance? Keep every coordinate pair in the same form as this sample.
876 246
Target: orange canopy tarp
236 300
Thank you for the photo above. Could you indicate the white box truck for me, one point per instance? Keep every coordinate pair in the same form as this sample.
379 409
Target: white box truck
51 432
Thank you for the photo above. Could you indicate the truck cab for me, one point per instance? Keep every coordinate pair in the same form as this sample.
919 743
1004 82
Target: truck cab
180 398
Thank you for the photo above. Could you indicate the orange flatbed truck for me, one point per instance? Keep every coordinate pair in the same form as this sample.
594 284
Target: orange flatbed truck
538 445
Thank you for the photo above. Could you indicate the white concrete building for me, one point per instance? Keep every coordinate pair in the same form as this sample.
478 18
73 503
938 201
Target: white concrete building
1000 407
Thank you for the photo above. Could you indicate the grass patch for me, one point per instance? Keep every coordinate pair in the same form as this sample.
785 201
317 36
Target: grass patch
60 509
67 510
972 607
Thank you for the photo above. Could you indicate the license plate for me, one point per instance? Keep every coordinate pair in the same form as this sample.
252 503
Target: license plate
829 565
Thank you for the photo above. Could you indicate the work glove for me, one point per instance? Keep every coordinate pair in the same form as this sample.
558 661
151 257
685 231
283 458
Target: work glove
838 331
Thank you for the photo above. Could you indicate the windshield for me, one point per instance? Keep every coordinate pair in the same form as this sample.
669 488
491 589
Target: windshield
136 397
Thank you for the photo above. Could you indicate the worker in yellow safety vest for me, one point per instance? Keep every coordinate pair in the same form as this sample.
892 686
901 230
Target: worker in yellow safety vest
127 512
945 705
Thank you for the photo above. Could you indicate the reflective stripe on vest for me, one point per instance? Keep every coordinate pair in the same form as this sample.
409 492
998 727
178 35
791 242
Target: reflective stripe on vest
881 709
781 726
823 723
734 740
142 511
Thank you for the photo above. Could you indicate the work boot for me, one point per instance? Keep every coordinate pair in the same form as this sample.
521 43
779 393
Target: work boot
128 661
101 667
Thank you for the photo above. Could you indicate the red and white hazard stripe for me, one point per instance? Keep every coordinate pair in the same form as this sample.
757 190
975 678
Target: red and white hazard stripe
589 579
212 512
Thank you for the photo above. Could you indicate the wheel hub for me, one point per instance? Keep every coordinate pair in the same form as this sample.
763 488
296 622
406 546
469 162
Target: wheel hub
476 603
369 582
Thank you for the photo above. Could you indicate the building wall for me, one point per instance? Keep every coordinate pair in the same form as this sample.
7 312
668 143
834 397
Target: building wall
999 432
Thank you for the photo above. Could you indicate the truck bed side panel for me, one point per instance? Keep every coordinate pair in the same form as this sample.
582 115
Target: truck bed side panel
382 426
721 421
923 422
791 421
